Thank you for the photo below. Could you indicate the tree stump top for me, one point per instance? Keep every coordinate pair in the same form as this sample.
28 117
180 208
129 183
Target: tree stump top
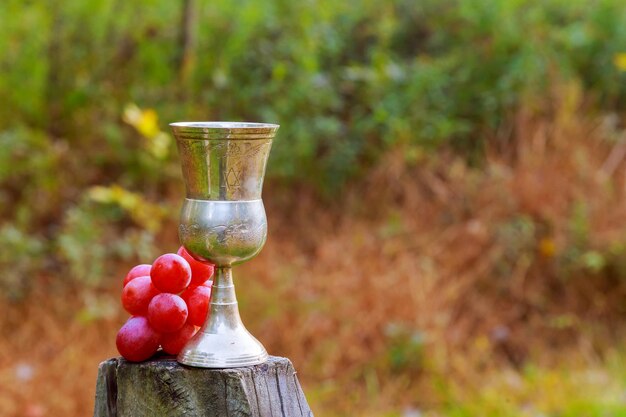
162 387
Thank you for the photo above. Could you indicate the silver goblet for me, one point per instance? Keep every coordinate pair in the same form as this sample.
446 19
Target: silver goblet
223 221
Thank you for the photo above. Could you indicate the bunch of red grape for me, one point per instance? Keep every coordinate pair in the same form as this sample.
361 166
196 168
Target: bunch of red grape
168 301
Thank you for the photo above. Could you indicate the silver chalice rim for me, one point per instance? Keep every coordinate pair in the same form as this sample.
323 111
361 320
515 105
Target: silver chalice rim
223 130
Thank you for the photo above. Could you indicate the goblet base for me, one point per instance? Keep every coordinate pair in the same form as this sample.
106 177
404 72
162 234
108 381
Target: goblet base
223 350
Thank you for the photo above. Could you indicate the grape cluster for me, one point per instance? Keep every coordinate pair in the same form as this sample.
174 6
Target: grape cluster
168 301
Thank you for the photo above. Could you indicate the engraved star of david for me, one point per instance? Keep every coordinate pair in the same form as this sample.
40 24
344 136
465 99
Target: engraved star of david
233 178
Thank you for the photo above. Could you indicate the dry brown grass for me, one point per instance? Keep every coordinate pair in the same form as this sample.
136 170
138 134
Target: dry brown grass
482 262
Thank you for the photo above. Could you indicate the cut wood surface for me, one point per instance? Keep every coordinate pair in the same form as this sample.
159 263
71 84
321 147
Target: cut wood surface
162 387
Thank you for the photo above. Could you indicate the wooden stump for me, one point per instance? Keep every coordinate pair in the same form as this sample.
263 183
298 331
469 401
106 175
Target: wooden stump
162 387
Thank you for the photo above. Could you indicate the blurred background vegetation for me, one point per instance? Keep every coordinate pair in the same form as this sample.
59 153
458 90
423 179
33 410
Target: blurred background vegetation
466 158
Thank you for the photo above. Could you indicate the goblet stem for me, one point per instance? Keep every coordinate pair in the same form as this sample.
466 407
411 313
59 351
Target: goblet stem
223 289
224 309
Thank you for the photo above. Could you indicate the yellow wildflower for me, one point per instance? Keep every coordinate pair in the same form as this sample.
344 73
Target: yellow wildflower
547 247
145 121
619 60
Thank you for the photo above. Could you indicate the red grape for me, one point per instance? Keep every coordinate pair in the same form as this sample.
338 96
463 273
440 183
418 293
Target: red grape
136 272
170 273
172 343
167 313
200 271
137 294
197 299
137 341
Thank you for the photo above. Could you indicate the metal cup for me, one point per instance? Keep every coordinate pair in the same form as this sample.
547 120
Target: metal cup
223 221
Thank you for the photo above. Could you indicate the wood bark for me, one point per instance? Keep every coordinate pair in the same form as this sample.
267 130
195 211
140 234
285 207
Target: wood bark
162 387
186 40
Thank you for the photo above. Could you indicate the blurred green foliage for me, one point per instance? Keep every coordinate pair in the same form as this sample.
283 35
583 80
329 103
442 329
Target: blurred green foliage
347 81
535 391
